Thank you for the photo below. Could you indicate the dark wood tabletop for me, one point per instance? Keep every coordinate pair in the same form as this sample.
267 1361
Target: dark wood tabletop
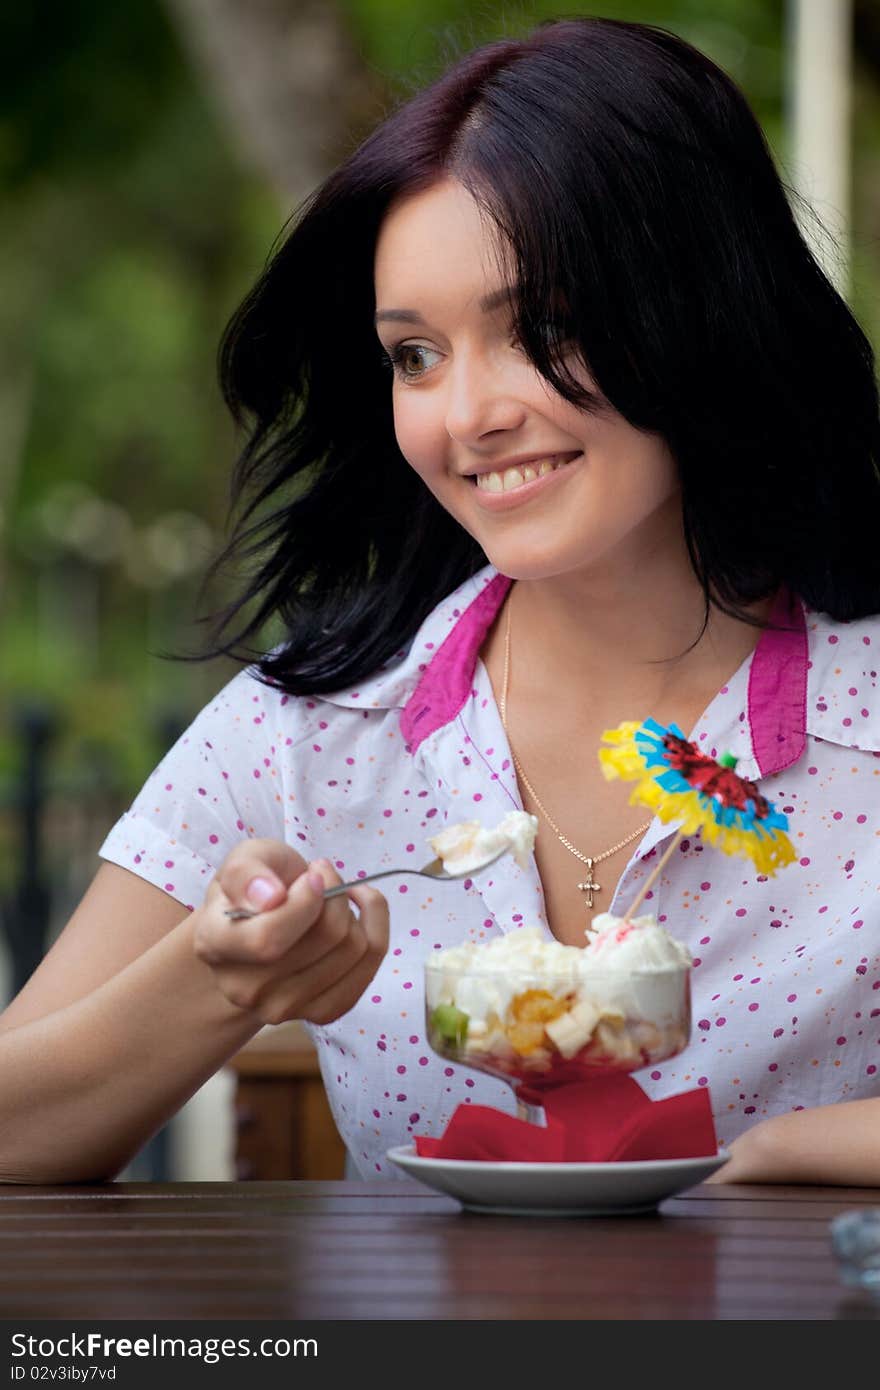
395 1250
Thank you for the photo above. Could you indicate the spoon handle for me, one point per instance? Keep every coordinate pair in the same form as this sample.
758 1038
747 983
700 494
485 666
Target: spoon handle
429 871
432 870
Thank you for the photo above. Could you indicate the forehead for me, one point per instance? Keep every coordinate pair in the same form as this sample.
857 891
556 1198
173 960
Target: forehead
439 235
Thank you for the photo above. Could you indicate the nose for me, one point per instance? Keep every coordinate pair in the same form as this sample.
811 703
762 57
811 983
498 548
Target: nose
481 398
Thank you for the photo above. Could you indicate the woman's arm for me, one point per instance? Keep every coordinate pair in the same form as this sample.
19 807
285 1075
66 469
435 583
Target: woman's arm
139 1002
831 1144
117 1028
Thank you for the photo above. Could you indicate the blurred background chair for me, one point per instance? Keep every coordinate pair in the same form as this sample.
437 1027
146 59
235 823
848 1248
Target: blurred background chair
283 1124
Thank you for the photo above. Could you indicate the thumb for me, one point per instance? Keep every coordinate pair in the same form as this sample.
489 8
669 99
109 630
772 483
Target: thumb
258 873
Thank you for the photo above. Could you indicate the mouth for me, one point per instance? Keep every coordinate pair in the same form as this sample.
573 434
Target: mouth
522 474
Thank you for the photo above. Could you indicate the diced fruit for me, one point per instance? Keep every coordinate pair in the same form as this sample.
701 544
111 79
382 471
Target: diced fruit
648 1038
609 1013
525 1038
538 1061
614 1042
537 1006
586 1015
572 1031
450 1023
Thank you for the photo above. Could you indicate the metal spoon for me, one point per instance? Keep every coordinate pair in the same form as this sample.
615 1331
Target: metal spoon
434 870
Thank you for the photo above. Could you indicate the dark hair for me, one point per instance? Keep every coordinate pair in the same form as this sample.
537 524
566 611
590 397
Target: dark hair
630 179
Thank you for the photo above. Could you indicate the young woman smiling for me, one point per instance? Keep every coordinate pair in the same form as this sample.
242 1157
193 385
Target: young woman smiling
554 421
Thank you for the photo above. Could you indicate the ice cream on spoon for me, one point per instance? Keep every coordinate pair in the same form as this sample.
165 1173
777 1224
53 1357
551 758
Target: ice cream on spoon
468 845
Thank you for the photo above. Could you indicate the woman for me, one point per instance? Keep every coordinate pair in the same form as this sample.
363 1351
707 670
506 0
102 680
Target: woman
625 465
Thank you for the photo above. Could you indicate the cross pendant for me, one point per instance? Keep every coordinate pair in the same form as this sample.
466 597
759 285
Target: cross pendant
590 887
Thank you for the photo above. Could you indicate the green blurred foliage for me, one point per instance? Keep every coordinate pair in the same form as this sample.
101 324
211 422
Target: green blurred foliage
411 43
130 232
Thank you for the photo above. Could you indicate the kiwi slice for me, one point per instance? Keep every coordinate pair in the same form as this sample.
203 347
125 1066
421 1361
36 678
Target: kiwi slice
450 1023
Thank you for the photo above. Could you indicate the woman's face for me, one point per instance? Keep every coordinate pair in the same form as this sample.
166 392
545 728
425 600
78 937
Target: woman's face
543 487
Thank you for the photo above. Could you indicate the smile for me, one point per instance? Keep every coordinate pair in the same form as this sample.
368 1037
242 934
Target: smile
511 478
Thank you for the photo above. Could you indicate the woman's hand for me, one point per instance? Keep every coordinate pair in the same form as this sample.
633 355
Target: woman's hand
299 958
828 1144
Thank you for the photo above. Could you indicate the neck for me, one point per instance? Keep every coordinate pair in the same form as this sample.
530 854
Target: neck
632 639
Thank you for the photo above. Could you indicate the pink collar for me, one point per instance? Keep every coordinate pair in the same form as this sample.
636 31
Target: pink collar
777 695
447 679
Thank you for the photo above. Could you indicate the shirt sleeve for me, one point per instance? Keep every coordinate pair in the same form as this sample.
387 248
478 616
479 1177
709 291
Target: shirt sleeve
220 783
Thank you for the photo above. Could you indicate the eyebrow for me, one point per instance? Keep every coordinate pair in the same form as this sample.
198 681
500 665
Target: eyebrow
487 304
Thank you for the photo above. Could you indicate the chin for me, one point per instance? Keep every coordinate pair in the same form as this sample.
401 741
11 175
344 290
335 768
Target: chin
546 561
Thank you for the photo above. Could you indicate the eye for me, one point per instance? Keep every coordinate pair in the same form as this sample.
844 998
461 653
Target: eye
406 360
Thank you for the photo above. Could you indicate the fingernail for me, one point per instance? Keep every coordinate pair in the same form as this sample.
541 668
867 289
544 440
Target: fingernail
259 891
316 882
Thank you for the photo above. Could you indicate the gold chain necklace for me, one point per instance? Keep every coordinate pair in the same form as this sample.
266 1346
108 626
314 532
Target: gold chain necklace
590 887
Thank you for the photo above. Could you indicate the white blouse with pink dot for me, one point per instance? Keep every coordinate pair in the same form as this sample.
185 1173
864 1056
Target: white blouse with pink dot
786 982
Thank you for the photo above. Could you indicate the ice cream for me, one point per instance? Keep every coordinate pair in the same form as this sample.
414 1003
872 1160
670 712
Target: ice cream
640 944
468 845
521 1004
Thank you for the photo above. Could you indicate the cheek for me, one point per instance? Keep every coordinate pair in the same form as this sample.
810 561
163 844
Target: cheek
643 490
419 436
638 466
661 478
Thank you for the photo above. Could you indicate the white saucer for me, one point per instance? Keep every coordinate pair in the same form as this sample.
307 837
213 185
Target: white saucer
557 1189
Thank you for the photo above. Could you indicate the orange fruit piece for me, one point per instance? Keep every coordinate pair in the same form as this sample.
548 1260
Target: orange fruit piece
537 1006
525 1038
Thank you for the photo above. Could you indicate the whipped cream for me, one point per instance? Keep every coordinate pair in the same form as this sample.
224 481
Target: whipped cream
639 944
468 845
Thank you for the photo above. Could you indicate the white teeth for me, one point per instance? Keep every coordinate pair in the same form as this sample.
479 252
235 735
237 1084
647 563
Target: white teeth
515 477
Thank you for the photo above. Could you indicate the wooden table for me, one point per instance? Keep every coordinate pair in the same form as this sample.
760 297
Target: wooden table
395 1250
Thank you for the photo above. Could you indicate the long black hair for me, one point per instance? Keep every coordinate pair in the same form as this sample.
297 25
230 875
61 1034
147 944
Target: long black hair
633 185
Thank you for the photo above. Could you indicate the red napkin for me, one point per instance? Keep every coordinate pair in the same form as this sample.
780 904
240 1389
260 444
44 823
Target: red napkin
605 1120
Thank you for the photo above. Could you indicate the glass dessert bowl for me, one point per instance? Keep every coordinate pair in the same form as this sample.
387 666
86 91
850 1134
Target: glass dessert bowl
537 1012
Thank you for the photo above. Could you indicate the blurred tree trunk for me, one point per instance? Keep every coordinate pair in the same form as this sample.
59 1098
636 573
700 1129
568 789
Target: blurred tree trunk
866 34
288 80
